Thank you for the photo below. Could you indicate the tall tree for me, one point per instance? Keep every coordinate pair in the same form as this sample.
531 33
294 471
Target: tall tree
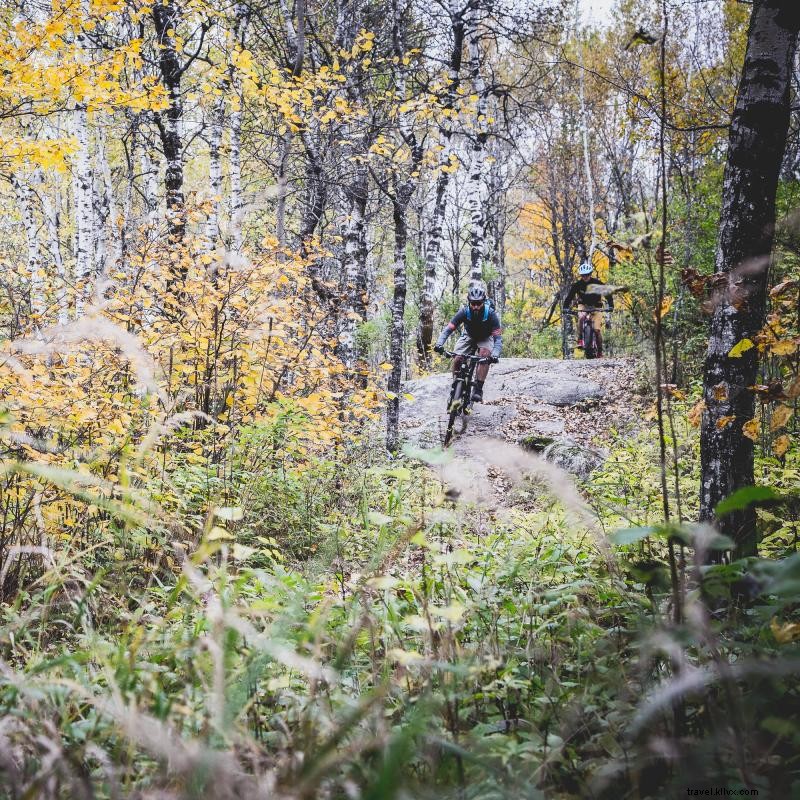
757 141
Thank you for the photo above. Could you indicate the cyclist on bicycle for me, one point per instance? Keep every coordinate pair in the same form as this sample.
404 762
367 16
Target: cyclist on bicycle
589 303
482 333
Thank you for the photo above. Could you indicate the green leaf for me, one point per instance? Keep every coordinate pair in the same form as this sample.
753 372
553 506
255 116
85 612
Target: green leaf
744 498
230 514
432 456
632 535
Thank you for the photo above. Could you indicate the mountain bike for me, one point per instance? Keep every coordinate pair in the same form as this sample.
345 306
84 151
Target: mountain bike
460 400
587 332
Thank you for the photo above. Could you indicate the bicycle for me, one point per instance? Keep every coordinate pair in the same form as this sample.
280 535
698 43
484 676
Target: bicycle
460 400
587 332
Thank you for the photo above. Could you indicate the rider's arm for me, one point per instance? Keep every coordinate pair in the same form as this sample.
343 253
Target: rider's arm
573 290
457 320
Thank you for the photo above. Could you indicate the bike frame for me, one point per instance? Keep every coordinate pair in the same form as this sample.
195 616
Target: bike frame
588 333
460 400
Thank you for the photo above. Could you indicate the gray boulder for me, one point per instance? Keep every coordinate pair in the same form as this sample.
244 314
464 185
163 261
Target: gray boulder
573 457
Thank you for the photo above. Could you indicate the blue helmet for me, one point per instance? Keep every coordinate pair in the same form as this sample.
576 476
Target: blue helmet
585 269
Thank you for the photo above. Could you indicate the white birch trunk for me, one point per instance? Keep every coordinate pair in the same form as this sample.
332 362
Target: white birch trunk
106 217
150 174
52 218
353 268
215 170
37 298
476 184
236 205
85 229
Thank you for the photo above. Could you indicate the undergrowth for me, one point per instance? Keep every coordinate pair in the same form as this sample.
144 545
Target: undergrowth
345 630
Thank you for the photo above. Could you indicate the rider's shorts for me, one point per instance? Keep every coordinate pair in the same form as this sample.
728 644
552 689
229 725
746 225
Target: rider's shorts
466 345
596 315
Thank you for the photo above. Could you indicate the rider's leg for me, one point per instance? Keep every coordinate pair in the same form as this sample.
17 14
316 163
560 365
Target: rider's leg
597 324
481 372
581 318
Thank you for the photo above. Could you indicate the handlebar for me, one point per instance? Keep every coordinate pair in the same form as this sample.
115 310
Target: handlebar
590 311
476 359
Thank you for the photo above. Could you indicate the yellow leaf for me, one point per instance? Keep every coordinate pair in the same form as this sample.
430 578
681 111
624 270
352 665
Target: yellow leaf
723 422
781 445
391 396
217 533
751 429
741 347
409 397
780 416
666 305
784 633
785 347
386 367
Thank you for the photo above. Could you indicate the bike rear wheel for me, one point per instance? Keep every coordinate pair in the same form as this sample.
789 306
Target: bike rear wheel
454 409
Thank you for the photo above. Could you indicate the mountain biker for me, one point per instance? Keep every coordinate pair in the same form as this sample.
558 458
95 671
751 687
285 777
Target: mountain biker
482 333
589 303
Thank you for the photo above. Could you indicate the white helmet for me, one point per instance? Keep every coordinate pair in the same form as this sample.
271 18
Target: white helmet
585 269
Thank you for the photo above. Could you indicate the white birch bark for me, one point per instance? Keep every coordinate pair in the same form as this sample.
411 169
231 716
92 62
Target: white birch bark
85 229
236 205
476 183
215 170
52 218
107 231
150 174
25 199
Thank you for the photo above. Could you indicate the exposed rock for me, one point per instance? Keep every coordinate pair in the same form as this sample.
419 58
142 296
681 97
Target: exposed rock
535 442
574 457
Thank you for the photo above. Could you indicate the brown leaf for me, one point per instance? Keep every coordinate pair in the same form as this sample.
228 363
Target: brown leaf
696 414
781 445
780 416
723 422
794 390
751 428
769 393
694 281
720 392
783 287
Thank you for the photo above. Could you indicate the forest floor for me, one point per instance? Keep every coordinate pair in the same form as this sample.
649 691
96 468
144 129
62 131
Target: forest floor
576 406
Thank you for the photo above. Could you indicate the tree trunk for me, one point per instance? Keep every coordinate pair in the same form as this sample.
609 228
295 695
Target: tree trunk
397 333
84 212
105 213
476 186
354 267
38 303
215 167
756 145
165 18
435 238
236 206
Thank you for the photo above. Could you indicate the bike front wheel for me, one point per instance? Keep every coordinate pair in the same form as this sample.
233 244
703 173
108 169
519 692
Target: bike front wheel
456 404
